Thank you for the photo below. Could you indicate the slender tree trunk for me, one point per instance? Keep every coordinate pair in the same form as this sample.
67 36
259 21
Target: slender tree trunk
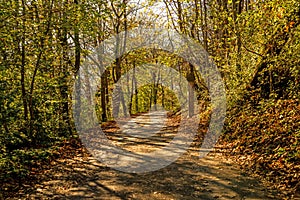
78 99
23 57
191 80
65 113
103 97
136 91
154 91
205 28
77 65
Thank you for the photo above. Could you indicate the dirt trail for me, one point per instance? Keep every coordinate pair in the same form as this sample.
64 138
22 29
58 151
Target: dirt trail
82 177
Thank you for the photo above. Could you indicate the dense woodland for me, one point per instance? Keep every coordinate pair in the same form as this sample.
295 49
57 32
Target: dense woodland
254 43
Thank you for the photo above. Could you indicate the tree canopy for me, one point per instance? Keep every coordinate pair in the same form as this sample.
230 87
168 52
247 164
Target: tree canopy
255 45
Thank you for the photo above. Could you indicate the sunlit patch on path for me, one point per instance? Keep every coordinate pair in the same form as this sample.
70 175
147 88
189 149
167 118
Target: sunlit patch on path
83 177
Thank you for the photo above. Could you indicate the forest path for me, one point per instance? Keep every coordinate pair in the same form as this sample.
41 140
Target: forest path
80 176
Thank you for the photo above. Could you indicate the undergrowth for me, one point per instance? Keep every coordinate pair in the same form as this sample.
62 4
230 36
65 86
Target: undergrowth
266 140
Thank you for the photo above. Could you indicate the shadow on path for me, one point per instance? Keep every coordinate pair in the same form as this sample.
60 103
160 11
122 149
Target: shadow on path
83 177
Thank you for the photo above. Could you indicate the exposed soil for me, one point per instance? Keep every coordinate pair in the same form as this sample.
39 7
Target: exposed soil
77 175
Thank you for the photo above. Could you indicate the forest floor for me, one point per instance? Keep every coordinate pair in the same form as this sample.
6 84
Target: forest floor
77 175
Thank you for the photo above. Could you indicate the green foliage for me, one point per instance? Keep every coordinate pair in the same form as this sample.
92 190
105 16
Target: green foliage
165 98
36 71
256 46
18 163
258 49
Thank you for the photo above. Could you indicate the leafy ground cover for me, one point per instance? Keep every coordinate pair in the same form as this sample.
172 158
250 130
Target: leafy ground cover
266 140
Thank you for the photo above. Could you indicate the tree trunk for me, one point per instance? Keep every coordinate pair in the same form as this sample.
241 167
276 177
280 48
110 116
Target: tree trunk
191 80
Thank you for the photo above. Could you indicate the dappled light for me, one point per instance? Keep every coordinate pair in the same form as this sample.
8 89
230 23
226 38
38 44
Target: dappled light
164 99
